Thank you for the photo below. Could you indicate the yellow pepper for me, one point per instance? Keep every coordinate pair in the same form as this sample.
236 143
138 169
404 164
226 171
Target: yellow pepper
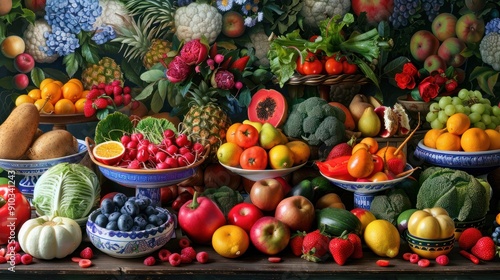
431 223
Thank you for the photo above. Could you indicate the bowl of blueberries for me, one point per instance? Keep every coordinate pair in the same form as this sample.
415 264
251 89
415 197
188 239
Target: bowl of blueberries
129 227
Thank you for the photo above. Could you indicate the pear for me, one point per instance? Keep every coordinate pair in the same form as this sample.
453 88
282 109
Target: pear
257 125
269 136
358 105
369 123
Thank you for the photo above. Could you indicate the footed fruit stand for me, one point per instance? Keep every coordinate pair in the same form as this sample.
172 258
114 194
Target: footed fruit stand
247 139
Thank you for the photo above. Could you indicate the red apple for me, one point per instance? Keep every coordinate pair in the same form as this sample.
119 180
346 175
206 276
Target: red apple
433 63
364 216
37 6
244 215
423 44
470 28
20 81
269 235
233 24
451 51
297 212
285 186
24 62
443 26
376 10
266 194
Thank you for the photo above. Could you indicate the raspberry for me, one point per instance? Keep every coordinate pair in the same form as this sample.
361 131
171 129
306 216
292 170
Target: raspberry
424 263
14 246
26 259
88 109
202 257
163 255
274 259
189 252
17 258
87 253
2 259
174 259
383 263
184 242
76 259
100 103
149 261
442 260
407 256
186 259
84 263
414 258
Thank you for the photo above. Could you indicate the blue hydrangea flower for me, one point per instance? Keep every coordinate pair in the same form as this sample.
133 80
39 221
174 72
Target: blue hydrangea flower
103 34
182 3
72 16
60 42
492 26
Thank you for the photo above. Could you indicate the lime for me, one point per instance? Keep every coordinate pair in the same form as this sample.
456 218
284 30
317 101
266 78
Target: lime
402 221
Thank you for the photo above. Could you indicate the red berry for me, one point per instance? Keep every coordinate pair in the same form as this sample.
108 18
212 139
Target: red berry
184 242
118 99
108 89
93 94
87 253
186 259
414 258
88 108
117 90
17 258
26 259
76 259
202 257
383 263
100 103
442 260
424 263
127 98
84 263
149 261
469 237
407 256
189 252
164 254
14 246
174 259
2 259
101 85
274 259
126 90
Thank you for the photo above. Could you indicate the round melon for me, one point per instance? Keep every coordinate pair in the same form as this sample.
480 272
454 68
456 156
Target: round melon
268 105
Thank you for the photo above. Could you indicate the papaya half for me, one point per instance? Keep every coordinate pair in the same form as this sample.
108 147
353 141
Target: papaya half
268 105
349 120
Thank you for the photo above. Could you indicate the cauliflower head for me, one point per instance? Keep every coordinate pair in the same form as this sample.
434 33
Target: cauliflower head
114 13
490 50
35 41
259 41
315 11
196 20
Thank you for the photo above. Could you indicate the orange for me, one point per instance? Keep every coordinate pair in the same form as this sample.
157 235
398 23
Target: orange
80 104
371 143
46 82
78 82
64 106
300 151
35 93
52 92
458 123
497 218
431 136
231 132
360 146
58 83
494 139
474 140
280 156
229 154
448 142
230 241
72 91
44 106
388 152
24 98
109 152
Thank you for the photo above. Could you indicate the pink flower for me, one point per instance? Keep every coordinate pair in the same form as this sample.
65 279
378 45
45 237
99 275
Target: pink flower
177 70
223 79
194 52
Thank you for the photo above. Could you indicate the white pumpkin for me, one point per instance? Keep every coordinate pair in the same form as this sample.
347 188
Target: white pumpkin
50 237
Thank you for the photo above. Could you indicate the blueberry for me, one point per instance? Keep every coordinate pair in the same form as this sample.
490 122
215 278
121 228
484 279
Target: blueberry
153 219
119 199
149 226
107 206
142 203
125 222
163 216
140 221
101 220
114 216
150 210
131 208
123 210
136 228
132 198
112 225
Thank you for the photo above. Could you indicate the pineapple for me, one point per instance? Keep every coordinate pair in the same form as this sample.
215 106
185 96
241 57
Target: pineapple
105 71
206 121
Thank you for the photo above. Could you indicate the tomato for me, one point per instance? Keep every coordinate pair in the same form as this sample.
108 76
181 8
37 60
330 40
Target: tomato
299 67
378 164
13 206
360 164
349 68
254 158
246 136
392 152
333 67
371 143
312 65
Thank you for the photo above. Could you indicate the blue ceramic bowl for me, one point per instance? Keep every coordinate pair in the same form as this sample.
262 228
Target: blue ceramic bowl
475 163
129 244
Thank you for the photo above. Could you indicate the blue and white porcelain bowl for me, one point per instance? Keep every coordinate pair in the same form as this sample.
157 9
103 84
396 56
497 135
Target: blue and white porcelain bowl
475 163
129 244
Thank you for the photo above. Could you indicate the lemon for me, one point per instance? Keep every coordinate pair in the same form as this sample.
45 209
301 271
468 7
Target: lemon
382 237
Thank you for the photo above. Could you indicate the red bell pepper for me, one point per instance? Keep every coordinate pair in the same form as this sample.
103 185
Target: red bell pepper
335 168
15 209
241 63
199 218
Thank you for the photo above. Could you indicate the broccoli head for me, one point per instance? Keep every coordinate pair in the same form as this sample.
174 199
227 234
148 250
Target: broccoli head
390 205
310 124
293 124
311 104
331 131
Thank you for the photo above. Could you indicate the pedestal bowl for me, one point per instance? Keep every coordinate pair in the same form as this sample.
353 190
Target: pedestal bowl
256 175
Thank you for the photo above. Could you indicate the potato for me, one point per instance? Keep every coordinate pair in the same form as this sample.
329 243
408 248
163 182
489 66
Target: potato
53 144
18 131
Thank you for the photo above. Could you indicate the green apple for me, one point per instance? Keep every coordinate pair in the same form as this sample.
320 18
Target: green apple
269 136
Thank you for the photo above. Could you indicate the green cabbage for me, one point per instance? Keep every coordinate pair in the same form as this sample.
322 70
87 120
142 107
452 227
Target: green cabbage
68 190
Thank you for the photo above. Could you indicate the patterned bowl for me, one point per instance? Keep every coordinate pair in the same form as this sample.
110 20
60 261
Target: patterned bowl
256 175
129 244
475 163
461 226
430 248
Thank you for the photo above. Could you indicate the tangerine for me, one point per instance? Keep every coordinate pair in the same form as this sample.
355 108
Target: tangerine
431 136
44 106
80 104
448 142
371 143
300 151
230 241
35 93
280 156
72 91
231 132
475 140
51 92
24 98
78 82
494 139
45 82
64 106
458 123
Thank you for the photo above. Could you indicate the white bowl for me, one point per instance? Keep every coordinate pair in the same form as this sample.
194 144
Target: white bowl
256 175
129 244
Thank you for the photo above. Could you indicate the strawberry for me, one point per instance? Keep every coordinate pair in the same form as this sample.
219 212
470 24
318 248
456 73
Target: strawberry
84 263
202 257
341 249
315 246
468 238
274 259
395 165
485 248
93 94
296 243
100 103
341 149
87 253
358 246
88 108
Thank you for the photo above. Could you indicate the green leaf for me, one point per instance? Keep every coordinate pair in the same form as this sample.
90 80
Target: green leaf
55 74
71 64
6 83
157 102
152 76
244 97
395 66
131 73
488 81
37 76
480 70
146 92
162 88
